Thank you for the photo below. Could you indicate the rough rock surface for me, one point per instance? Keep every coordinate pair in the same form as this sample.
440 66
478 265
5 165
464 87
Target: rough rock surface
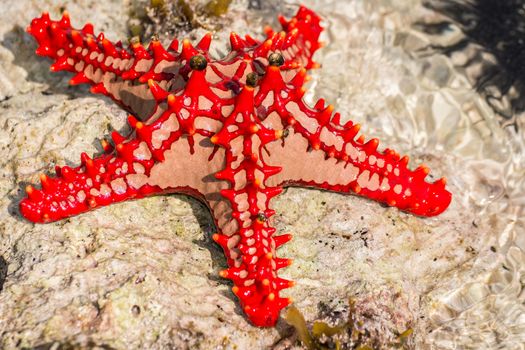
143 274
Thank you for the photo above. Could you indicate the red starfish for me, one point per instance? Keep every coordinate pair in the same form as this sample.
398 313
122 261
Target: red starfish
231 132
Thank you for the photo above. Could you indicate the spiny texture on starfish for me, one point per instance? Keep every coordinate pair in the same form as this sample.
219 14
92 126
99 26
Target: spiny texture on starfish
232 132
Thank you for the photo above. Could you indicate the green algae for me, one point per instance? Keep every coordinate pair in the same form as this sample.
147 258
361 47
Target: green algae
295 318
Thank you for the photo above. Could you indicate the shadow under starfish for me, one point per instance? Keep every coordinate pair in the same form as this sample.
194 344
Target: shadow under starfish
231 132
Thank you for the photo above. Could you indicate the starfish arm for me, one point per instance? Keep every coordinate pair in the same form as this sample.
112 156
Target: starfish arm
171 153
109 68
381 176
97 182
322 153
247 239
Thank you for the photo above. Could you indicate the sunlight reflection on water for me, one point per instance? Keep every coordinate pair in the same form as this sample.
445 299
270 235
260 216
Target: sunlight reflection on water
377 68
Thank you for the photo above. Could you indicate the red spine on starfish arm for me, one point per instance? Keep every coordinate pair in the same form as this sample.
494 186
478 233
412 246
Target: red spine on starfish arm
251 251
110 68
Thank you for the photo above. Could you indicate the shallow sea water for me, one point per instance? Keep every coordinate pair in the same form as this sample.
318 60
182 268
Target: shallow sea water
458 278
410 94
486 311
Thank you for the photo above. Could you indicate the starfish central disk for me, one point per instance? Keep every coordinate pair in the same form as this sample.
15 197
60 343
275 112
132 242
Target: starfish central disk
232 132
